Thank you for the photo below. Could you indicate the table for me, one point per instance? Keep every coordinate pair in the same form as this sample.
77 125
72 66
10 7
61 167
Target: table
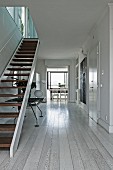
58 91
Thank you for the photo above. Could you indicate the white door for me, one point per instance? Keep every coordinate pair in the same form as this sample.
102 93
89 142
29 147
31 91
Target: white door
93 83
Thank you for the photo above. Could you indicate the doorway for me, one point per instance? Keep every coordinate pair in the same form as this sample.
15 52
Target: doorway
57 82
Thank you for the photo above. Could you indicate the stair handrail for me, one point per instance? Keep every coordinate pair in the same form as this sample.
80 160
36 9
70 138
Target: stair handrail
20 120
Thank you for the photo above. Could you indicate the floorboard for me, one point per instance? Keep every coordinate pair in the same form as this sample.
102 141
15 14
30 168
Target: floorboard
65 140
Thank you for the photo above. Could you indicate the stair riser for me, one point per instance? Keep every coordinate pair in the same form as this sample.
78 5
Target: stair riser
20 64
19 69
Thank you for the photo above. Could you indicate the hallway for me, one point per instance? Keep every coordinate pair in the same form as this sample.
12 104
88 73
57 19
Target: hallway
65 140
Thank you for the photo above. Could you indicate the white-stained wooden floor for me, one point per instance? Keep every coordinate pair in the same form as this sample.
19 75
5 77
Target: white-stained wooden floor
66 140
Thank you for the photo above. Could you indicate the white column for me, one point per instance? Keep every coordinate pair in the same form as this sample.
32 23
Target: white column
72 89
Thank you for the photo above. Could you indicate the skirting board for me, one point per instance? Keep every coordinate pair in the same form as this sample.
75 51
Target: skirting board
83 106
106 126
71 101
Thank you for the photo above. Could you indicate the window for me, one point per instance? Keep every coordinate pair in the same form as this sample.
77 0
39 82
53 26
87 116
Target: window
57 79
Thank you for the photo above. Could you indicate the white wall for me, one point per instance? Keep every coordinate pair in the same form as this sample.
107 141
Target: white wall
41 69
100 33
72 90
111 65
10 36
42 65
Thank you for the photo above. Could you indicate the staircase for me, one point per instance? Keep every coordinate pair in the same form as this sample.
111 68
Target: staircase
16 83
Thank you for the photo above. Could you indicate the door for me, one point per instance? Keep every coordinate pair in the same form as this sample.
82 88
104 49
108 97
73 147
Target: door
94 83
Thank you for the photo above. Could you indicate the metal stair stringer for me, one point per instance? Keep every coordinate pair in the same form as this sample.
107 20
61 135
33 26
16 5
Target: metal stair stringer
20 120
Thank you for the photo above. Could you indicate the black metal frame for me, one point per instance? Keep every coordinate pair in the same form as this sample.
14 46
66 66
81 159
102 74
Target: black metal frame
31 102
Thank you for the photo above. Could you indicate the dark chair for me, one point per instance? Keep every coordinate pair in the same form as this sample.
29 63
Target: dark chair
35 101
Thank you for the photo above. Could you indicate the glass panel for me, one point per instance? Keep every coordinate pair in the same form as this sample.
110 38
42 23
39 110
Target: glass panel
31 29
11 11
57 79
20 14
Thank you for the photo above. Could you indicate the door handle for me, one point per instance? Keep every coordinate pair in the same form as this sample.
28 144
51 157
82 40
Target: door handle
91 87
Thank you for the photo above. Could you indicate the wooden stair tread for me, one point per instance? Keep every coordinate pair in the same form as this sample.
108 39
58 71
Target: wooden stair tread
11 95
29 41
25 52
7 127
29 48
10 104
5 142
22 52
13 87
24 55
18 74
21 64
14 80
26 49
23 60
19 69
9 114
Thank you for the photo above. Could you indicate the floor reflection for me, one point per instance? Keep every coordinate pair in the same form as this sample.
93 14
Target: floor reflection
57 113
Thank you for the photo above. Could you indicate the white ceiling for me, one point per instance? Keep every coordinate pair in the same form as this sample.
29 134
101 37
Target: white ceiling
62 25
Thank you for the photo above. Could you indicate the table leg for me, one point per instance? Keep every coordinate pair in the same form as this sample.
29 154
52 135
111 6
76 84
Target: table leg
34 115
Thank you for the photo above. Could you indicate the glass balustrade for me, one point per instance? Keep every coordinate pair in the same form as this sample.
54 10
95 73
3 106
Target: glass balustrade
23 19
